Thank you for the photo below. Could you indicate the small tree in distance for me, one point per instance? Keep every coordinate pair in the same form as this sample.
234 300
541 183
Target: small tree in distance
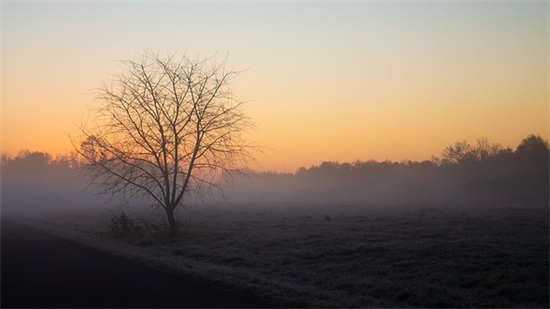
165 128
463 151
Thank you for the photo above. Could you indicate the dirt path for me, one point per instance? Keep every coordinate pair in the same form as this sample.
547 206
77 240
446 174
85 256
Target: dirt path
39 270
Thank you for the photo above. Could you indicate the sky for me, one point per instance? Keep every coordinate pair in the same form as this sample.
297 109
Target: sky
324 81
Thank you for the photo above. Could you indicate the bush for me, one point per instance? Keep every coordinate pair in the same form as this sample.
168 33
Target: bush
122 225
142 233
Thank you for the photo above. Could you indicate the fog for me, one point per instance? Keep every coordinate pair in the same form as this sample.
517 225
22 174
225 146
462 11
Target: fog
483 173
468 230
387 184
35 182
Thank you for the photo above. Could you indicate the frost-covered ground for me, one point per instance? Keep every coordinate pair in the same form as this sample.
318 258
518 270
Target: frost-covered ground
423 256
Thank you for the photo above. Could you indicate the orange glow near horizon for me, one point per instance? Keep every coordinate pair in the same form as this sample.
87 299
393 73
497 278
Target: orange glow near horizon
335 82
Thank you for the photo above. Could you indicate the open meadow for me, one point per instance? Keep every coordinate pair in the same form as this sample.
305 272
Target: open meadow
324 154
340 256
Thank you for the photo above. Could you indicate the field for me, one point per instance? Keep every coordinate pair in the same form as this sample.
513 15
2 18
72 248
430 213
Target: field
320 256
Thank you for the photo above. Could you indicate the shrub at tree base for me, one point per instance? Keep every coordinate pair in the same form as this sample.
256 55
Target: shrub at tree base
144 233
121 226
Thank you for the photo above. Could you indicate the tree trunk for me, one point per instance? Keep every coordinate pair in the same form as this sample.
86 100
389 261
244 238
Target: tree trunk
172 226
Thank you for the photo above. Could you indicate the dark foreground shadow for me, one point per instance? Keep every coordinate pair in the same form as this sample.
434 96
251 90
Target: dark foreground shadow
39 270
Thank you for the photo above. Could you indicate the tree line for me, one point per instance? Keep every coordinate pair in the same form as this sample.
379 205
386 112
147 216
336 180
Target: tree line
479 172
37 181
465 172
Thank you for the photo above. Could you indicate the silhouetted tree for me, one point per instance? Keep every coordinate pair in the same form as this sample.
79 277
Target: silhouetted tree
462 152
5 159
532 161
457 153
485 150
534 147
165 128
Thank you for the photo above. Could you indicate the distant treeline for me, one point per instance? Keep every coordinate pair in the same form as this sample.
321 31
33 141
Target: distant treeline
37 181
480 172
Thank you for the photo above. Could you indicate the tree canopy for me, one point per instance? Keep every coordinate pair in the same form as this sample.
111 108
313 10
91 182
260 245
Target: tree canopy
165 128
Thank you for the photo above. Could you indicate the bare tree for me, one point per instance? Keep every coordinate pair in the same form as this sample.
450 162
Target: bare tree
457 153
485 149
166 128
463 151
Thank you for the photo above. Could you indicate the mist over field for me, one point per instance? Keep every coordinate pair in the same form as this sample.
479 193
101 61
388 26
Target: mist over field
469 229
35 181
275 154
467 174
